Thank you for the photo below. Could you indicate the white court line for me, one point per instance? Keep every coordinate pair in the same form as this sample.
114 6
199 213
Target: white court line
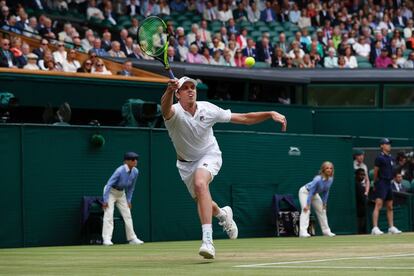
343 267
326 260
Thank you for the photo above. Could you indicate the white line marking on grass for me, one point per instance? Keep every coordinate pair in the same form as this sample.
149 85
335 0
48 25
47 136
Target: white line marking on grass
327 260
342 267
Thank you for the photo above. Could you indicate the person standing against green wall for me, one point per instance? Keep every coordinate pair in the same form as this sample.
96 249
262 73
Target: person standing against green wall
190 126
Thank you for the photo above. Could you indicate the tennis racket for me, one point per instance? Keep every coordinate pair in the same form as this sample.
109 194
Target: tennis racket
153 40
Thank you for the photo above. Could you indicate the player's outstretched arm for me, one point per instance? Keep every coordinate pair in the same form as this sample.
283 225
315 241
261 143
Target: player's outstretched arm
252 118
168 98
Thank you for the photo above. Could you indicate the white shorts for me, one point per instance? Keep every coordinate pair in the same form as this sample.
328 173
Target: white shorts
210 162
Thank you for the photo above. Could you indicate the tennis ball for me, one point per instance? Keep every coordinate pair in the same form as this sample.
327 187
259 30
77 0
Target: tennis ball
249 62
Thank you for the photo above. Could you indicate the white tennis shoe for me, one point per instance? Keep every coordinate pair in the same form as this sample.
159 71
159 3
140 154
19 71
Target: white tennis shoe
304 235
136 241
394 230
228 223
376 231
207 250
329 234
107 243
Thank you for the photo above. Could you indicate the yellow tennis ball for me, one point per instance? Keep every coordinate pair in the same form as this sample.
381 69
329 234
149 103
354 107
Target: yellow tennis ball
249 62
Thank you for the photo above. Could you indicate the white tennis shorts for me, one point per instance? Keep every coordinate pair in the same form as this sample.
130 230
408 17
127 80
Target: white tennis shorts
211 162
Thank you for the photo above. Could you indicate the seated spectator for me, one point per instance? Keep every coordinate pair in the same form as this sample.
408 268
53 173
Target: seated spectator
93 11
126 69
375 51
191 37
217 44
331 61
341 62
16 49
106 41
394 64
164 7
297 58
253 13
200 44
22 60
250 50
133 8
362 47
7 59
30 30
399 20
227 58
210 12
47 55
289 63
278 59
151 7
232 48
217 58
239 59
392 48
86 67
133 30
350 59
396 183
182 49
296 48
87 42
71 64
383 61
204 33
97 48
128 47
268 14
206 57
116 50
60 55
403 166
193 56
66 32
307 62
232 27
172 56
178 6
240 14
294 14
304 20
264 51
109 13
137 53
409 29
31 62
410 42
400 58
386 24
305 38
99 68
47 31
224 14
400 41
282 43
50 65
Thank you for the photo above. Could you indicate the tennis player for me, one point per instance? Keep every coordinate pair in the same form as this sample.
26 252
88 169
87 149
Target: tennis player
190 126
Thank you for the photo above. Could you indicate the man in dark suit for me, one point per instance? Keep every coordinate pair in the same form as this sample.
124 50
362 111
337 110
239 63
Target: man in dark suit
172 55
375 51
126 69
250 50
37 5
40 52
133 8
397 184
268 15
264 51
7 59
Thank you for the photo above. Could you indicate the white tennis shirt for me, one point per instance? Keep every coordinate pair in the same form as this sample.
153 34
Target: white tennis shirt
193 136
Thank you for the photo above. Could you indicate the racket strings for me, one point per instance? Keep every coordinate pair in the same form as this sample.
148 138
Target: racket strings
152 36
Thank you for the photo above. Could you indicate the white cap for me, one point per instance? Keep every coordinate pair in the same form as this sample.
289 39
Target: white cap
183 80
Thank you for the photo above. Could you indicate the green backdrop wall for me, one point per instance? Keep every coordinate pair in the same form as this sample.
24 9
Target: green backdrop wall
46 170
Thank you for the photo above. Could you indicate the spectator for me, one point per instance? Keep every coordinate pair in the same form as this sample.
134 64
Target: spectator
304 20
97 48
361 200
289 62
342 62
264 51
133 30
250 50
65 35
47 56
400 58
231 27
296 48
396 183
383 61
31 29
399 20
22 21
50 65
409 29
47 31
106 41
305 38
400 41
331 61
137 54
126 69
172 55
223 35
206 57
227 58
16 49
10 25
375 51
87 42
86 67
268 14
204 33
7 59
116 50
151 7
239 59
307 62
191 37
93 11
278 59
217 58
282 43
133 8
392 48
100 68
403 166
253 13
193 56
224 14
60 55
294 14
31 62
109 13
22 60
350 59
71 64
210 12
386 24
128 47
362 47
240 14
359 156
164 8
178 6
182 49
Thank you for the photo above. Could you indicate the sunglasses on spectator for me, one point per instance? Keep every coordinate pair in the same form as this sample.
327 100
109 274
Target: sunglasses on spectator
45 43
99 65
6 44
61 45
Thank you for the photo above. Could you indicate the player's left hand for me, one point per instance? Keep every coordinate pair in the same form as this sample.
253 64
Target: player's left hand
129 205
324 207
281 119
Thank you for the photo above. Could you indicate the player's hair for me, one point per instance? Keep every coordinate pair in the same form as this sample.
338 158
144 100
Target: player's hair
323 167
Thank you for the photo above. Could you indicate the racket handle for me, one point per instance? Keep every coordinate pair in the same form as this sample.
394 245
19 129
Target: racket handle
170 74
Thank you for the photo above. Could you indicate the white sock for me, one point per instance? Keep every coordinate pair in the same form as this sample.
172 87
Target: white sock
221 215
207 232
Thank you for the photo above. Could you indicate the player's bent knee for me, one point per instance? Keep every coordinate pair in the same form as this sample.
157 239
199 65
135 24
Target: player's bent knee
200 187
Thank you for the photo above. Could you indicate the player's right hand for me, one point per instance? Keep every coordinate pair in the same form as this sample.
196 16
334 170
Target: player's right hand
172 85
306 208
104 206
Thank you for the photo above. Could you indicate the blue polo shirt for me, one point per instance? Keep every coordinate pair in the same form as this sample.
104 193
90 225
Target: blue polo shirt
122 179
319 186
385 164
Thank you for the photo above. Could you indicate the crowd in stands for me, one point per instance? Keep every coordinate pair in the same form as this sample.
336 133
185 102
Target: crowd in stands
278 33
